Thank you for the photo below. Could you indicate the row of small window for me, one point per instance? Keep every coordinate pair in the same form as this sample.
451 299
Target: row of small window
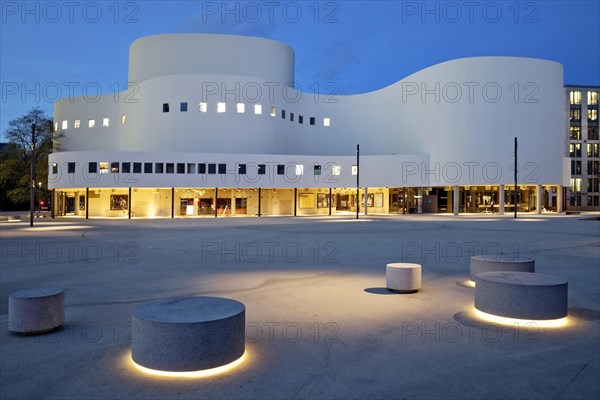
592 201
592 150
593 167
575 97
104 167
241 109
575 114
575 132
592 185
91 123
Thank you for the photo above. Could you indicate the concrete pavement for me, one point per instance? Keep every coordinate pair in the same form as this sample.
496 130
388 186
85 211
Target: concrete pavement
319 322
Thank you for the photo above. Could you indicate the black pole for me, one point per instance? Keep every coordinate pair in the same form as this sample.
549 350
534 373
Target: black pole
52 203
172 202
357 180
216 201
330 201
516 177
259 193
32 186
129 205
295 201
87 203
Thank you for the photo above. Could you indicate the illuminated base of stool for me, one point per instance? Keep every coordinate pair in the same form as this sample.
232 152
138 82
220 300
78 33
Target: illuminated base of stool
521 295
188 334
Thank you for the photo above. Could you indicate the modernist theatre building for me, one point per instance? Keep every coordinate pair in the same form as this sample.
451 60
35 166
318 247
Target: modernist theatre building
212 125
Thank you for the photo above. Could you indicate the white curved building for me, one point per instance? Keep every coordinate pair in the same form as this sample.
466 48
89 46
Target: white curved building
212 125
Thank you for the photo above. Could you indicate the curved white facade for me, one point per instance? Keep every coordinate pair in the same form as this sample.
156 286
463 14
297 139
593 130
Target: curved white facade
449 125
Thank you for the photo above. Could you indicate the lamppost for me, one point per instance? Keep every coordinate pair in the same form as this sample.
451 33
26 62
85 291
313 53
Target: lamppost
32 184
357 180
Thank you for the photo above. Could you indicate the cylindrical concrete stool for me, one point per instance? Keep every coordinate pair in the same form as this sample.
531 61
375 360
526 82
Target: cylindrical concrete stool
34 311
521 295
403 277
501 263
188 334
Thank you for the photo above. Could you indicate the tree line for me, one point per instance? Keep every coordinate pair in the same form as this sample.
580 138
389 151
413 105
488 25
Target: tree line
15 160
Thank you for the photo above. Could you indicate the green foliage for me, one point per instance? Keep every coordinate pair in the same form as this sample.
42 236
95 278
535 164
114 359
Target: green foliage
15 159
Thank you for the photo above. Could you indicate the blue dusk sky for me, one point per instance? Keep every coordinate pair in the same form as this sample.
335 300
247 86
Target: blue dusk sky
51 48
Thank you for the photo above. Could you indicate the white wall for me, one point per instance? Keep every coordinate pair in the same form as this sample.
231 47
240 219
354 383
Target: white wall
461 116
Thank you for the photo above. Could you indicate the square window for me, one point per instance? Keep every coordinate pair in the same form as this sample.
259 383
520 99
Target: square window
273 111
299 169
300 119
241 108
280 169
126 167
222 168
91 123
170 168
54 168
202 168
335 170
137 167
183 107
71 168
104 122
191 168
292 117
354 170
180 168
65 124
212 168
257 109
77 123
165 107
221 107
114 167
104 167
202 106
158 168
93 167
313 120
282 114
317 170
123 119
326 122
262 169
148 168
242 169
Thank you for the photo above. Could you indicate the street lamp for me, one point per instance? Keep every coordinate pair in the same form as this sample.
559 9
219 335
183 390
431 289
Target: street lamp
32 176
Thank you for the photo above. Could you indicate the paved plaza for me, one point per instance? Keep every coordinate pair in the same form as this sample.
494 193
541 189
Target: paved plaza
319 321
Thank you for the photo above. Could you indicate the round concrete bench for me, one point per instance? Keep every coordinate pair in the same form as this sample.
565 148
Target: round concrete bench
521 295
501 263
37 310
403 277
188 334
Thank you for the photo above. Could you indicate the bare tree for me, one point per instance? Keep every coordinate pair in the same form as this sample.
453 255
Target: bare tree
15 157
